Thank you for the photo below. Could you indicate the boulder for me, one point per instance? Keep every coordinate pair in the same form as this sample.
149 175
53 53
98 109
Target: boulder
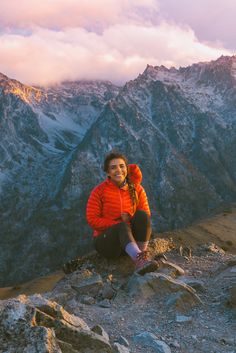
182 301
119 348
142 287
123 341
225 277
147 339
100 331
20 333
196 284
36 325
87 283
53 310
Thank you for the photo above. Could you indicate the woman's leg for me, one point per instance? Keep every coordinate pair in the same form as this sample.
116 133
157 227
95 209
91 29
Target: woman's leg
141 229
120 237
114 240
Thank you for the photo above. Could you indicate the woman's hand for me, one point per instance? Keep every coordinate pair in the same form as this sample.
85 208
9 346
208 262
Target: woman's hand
125 217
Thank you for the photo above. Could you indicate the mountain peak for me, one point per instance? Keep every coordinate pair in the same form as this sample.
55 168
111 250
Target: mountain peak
150 69
3 77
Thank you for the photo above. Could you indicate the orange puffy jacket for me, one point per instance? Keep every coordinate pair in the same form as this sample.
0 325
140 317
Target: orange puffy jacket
107 201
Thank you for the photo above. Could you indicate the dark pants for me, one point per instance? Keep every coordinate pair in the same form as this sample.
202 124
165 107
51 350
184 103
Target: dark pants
113 241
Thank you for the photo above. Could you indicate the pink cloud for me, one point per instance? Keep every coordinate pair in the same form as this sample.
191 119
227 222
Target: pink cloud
70 13
54 40
211 20
118 54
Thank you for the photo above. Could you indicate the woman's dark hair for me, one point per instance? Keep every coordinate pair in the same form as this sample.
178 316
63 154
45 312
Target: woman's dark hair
114 155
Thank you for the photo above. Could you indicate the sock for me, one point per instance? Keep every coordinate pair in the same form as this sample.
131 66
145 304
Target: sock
142 245
132 250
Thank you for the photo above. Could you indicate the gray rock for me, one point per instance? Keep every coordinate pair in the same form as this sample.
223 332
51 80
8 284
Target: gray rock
108 292
147 339
100 331
183 318
119 348
86 299
105 303
83 340
88 284
53 310
211 247
30 329
139 287
226 276
197 284
175 344
182 301
19 333
170 268
143 287
231 297
66 347
122 340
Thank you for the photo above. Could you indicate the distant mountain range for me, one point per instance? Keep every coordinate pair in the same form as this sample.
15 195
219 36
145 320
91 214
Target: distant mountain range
178 125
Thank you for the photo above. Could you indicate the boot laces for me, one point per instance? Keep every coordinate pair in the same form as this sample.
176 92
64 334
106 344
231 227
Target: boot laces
142 257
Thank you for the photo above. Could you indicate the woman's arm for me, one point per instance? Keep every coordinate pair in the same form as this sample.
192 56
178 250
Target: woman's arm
94 212
143 201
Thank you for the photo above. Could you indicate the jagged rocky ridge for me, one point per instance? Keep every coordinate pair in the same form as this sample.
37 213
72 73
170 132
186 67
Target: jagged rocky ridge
179 125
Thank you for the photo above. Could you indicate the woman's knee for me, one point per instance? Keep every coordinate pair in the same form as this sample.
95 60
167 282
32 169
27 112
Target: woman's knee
105 247
141 215
141 224
124 227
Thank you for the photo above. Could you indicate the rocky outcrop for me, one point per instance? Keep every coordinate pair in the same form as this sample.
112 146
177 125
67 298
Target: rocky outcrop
226 276
38 325
156 312
141 288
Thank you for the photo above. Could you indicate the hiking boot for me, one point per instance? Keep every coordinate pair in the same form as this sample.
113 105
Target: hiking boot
144 265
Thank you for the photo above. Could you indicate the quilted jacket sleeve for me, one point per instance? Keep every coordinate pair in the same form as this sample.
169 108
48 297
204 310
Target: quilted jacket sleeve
143 201
94 212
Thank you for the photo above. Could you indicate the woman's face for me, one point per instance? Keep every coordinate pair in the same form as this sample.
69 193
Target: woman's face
117 170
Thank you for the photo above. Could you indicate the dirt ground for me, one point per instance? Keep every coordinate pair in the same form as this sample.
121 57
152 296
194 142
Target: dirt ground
220 229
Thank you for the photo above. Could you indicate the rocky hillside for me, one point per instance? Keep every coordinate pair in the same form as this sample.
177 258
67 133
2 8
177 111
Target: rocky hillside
40 128
186 306
179 125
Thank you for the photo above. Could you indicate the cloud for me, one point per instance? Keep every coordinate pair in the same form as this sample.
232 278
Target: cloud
120 53
211 20
51 41
58 14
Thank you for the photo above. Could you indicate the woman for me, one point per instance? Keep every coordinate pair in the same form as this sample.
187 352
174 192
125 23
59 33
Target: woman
119 214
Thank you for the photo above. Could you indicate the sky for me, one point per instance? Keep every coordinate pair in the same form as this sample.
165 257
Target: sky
49 41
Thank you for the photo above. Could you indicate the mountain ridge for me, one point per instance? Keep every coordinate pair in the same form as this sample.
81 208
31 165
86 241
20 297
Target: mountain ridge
179 125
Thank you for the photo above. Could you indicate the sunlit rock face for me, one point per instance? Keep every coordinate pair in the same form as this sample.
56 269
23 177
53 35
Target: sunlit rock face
178 125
